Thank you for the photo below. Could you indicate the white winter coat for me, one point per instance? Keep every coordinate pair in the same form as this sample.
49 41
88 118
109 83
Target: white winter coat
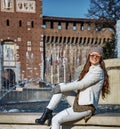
90 86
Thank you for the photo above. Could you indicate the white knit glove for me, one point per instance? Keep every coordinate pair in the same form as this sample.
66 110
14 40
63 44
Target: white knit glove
56 89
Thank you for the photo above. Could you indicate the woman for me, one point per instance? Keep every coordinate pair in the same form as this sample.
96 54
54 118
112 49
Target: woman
92 80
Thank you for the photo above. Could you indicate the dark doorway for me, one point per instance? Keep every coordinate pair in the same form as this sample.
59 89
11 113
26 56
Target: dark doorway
8 79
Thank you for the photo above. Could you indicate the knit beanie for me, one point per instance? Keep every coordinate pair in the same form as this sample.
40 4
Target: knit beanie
97 49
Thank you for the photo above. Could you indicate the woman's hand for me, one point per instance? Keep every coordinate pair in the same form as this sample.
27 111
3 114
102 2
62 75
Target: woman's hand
56 89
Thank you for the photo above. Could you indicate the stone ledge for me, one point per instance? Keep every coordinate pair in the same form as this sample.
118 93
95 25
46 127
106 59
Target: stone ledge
102 121
106 119
17 126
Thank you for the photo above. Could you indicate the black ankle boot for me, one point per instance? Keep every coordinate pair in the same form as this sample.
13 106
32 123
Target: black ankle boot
47 115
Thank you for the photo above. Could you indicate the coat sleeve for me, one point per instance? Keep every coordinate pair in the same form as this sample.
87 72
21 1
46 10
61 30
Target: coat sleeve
91 78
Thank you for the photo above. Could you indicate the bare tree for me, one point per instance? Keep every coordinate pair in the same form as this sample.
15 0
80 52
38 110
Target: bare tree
107 12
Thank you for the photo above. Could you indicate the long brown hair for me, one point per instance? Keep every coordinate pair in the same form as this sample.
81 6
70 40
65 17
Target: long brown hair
105 89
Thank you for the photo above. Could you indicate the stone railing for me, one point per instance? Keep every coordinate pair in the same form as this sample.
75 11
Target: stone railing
113 67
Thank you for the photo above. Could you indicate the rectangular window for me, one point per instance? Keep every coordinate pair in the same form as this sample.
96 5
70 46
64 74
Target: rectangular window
32 24
7 22
20 23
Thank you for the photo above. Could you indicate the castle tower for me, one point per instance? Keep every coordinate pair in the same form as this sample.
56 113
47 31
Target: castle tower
20 37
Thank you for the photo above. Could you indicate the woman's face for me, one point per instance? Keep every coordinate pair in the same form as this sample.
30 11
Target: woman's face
94 58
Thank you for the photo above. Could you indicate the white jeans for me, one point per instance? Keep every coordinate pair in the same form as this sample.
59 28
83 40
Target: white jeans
67 114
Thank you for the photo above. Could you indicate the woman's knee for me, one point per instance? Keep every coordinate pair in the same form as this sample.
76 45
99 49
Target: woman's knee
55 119
55 122
59 118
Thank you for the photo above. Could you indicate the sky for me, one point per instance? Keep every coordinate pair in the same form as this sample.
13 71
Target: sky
66 8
